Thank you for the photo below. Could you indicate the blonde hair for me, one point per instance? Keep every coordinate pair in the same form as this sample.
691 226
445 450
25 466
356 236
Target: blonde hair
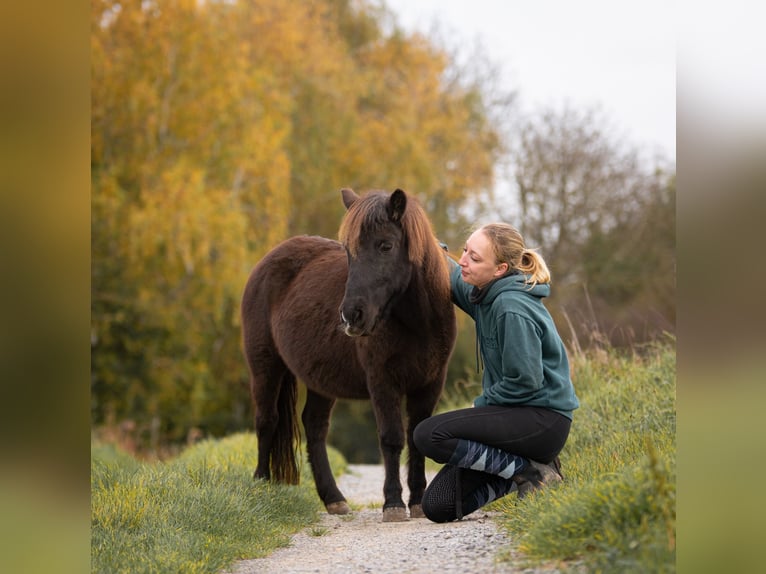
508 245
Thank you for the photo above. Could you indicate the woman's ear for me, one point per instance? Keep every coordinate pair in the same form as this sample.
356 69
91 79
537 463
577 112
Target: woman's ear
501 270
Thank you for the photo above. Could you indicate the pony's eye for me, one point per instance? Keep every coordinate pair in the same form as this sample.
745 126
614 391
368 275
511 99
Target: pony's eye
385 246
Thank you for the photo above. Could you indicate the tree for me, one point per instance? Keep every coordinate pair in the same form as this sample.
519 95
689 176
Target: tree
189 187
630 270
220 128
396 113
585 203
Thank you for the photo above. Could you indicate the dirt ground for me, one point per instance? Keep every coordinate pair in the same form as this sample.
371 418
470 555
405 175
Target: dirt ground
362 543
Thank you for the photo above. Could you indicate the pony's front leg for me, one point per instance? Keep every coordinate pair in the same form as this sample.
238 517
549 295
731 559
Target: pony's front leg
316 422
420 406
391 437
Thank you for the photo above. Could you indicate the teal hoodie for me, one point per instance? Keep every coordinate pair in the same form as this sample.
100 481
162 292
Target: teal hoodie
525 362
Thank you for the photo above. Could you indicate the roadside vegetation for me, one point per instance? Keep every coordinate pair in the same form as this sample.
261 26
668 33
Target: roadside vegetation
615 512
198 512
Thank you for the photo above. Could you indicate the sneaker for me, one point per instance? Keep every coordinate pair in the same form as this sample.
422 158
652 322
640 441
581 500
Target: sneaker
493 488
536 475
556 464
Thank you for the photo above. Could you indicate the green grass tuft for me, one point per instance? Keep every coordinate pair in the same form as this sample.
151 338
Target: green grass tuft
196 513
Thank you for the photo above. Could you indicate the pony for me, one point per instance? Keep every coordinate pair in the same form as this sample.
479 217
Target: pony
367 317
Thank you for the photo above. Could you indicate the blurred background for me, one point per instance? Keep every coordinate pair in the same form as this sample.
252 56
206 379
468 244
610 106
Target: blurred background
218 129
140 144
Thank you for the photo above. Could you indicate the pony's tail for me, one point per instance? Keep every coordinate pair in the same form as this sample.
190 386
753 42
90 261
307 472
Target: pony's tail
284 466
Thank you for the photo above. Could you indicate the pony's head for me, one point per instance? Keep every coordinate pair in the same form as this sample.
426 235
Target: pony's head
386 237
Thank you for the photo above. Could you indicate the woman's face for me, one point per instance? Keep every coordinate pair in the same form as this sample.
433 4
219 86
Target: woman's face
478 261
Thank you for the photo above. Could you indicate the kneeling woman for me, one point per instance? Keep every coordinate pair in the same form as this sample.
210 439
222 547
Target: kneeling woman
511 438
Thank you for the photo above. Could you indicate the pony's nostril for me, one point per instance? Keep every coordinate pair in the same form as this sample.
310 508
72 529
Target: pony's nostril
351 315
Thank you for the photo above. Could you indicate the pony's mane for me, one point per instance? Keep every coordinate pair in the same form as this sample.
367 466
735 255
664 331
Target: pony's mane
369 212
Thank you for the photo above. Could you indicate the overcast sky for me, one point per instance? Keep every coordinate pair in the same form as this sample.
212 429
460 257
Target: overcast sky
619 56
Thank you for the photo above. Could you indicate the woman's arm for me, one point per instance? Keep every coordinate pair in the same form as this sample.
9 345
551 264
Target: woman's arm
460 289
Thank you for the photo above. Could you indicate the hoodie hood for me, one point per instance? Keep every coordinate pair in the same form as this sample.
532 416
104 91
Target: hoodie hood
515 282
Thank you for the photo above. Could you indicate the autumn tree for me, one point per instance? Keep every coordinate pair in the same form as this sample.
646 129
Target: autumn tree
175 205
396 113
220 128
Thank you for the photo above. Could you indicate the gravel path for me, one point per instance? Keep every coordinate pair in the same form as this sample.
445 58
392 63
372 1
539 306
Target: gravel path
362 543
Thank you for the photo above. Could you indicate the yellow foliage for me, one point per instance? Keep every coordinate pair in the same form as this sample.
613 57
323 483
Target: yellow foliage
217 130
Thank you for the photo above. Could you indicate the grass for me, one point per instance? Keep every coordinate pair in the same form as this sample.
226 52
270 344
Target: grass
615 512
196 513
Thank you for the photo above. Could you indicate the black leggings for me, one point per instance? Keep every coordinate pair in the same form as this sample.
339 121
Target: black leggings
532 432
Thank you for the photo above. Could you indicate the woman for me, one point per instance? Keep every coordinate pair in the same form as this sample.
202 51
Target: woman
511 438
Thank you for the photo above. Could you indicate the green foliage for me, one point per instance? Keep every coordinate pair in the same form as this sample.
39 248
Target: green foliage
615 512
196 513
353 432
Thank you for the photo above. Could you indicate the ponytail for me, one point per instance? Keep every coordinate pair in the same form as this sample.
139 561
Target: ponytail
533 264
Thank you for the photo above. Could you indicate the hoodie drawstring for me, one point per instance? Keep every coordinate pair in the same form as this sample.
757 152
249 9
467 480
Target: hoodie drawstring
479 360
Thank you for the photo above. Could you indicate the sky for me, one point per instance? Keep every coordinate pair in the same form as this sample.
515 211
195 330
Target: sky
619 57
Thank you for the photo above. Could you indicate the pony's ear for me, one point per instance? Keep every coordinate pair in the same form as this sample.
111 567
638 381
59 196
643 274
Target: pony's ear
397 203
349 197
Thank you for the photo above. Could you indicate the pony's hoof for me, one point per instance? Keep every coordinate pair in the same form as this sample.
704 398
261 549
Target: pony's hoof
394 514
338 508
416 511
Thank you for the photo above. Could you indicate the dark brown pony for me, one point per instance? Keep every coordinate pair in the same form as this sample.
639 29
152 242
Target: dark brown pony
367 318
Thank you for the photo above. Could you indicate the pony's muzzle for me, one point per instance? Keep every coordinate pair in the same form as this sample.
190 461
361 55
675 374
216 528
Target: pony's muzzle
352 322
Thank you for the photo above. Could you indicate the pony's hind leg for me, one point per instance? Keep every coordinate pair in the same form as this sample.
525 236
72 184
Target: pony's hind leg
265 428
316 422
